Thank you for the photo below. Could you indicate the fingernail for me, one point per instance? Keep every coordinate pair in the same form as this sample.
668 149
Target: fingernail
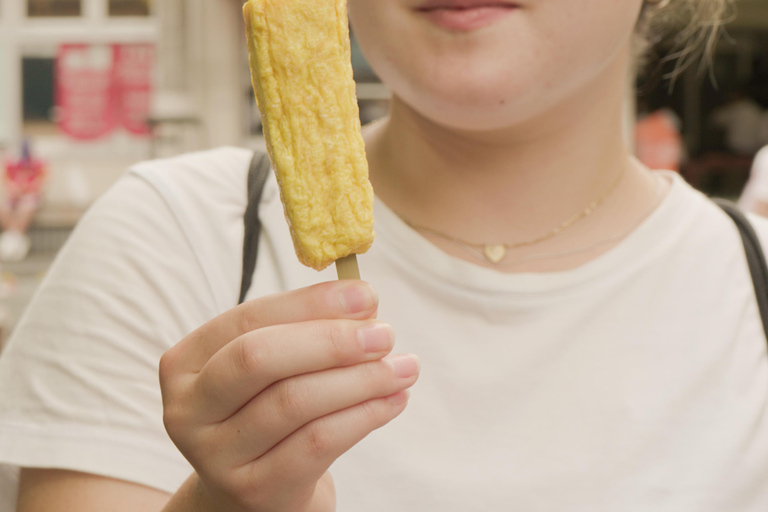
404 365
358 297
375 337
399 398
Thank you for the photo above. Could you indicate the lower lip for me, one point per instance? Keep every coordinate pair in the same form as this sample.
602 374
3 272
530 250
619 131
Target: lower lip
464 20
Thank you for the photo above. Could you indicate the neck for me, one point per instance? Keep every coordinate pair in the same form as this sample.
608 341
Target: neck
512 184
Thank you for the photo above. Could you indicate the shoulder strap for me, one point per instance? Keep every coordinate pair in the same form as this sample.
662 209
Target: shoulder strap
257 177
755 257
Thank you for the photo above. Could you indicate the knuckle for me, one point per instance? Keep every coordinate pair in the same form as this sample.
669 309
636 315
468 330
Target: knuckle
290 399
172 420
177 419
250 356
166 367
319 441
339 336
247 318
370 412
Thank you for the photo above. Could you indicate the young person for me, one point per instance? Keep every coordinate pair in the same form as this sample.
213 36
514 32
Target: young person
24 180
587 329
754 197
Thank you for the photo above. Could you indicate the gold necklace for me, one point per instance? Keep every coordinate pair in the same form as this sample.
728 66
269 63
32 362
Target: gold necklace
494 253
603 241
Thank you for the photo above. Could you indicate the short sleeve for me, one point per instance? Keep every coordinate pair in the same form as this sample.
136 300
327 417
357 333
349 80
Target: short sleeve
79 378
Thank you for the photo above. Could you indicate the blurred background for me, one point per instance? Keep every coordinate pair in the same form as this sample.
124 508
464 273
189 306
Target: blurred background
89 87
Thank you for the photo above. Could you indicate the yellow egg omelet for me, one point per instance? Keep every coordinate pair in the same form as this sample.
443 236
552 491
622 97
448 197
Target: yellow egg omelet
302 74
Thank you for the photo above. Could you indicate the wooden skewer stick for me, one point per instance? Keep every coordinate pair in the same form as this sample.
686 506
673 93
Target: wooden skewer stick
346 267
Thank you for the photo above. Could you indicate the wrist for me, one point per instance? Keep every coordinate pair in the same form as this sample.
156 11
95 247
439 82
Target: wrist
194 496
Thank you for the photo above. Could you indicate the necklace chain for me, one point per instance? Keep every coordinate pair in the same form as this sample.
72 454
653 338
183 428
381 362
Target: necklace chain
579 250
496 252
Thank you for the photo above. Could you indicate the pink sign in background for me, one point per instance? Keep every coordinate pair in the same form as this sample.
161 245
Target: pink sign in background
102 87
84 91
133 85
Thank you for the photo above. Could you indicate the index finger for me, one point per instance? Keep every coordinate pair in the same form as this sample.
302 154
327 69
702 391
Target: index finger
350 299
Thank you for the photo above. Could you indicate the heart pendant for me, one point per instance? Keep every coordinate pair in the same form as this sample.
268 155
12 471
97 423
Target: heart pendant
494 253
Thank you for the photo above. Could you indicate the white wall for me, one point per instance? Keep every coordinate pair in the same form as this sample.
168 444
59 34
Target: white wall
219 42
4 94
10 78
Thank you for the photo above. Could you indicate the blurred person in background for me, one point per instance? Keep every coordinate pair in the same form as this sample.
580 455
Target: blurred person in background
587 327
24 180
754 197
763 132
658 143
741 119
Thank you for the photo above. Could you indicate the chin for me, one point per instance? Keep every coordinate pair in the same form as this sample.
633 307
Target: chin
479 104
469 116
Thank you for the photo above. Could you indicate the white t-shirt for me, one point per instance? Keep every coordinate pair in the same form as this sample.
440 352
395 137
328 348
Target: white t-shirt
756 189
636 382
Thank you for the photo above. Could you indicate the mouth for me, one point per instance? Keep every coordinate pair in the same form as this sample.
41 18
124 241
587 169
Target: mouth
464 5
465 15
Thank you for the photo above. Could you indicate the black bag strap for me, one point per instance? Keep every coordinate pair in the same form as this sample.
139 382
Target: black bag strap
755 257
257 177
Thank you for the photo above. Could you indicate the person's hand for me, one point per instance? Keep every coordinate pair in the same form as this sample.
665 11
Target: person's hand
262 399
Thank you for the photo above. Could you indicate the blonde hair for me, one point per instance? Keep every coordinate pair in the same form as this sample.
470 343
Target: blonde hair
692 28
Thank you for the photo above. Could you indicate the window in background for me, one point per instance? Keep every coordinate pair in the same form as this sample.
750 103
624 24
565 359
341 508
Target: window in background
129 7
38 87
45 8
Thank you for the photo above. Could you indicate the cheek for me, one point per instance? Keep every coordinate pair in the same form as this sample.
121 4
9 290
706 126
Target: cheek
585 36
